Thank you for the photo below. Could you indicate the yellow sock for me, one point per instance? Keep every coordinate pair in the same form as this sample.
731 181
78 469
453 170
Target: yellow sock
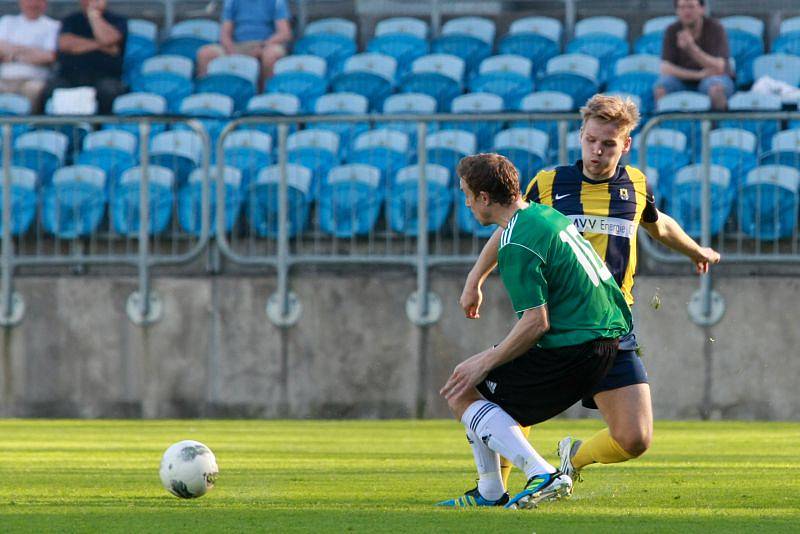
505 464
600 448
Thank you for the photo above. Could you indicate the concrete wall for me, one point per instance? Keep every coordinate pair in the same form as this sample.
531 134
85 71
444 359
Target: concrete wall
354 353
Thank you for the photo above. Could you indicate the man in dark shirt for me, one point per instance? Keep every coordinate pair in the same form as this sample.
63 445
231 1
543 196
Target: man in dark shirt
91 47
695 56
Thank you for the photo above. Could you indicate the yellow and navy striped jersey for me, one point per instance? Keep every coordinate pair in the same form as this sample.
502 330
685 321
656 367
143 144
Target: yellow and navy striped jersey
606 212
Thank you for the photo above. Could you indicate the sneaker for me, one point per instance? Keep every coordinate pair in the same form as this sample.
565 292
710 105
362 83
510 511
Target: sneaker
567 448
541 488
473 498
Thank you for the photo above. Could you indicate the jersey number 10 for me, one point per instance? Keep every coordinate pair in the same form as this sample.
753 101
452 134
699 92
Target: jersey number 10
595 267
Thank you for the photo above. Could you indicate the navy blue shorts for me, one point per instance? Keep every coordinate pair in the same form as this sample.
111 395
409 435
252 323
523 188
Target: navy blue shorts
626 370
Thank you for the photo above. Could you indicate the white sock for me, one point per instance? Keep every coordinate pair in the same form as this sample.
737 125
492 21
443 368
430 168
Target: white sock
498 431
490 481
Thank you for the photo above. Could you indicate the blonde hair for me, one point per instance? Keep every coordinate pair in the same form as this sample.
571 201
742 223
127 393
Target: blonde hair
612 109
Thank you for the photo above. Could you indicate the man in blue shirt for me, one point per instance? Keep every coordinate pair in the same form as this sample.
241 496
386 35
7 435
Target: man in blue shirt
258 28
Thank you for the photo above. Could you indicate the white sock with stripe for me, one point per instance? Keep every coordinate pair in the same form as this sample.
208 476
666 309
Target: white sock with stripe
490 481
499 432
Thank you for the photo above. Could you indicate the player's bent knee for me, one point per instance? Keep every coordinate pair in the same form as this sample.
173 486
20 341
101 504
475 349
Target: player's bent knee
634 443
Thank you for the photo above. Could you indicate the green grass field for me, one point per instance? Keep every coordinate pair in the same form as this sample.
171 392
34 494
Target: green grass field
383 476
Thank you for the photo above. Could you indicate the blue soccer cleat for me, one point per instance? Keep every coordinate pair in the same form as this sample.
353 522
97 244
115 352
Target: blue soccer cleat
473 498
541 488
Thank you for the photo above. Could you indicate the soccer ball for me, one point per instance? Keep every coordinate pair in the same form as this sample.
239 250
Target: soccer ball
188 469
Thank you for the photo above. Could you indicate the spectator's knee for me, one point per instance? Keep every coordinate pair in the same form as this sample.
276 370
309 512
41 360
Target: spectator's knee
271 54
208 53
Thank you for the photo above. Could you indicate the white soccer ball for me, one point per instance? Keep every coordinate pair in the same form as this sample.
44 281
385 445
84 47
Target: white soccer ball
188 469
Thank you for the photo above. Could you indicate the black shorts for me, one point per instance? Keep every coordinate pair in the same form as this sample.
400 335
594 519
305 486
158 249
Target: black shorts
627 370
542 383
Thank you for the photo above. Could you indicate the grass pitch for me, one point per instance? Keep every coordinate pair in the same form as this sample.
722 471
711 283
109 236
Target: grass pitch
383 476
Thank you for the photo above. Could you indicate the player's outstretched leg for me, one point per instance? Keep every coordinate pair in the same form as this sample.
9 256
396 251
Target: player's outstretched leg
473 498
541 488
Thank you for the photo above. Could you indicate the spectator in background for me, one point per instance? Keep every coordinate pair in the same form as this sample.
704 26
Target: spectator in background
27 50
258 28
695 56
91 47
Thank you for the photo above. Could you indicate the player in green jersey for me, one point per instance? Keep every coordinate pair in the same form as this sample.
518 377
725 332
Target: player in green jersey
571 314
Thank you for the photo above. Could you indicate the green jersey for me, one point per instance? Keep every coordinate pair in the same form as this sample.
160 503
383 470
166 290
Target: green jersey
544 260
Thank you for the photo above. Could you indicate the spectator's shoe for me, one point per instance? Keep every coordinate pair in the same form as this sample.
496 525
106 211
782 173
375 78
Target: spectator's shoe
567 448
473 498
541 488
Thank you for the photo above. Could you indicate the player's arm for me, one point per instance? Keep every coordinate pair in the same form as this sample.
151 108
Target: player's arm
668 232
471 296
529 329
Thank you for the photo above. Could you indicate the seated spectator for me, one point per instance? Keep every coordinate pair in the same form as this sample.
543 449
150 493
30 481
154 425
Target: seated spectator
258 28
91 47
695 56
27 50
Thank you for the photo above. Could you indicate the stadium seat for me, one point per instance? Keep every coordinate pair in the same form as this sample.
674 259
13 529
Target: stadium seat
302 76
235 76
42 151
438 75
409 104
637 74
785 150
734 149
14 105
24 199
126 207
188 36
403 38
526 148
382 148
536 38
604 38
476 104
788 40
546 102
74 204
508 76
350 200
752 101
768 202
574 74
371 75
317 150
179 150
190 200
332 39
342 104
652 37
783 67
686 200
447 147
469 38
573 146
746 42
114 151
249 151
403 205
167 75
263 200
685 102
140 45
666 152
135 104
212 110
274 105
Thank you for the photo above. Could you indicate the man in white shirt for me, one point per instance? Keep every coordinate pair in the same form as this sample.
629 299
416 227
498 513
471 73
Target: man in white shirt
27 50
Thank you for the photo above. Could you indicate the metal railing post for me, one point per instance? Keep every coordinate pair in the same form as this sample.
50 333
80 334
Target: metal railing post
13 307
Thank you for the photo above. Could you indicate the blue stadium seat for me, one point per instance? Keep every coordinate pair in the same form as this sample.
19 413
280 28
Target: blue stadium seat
167 75
371 75
476 104
469 38
179 150
685 102
14 105
188 36
652 37
235 76
382 148
263 200
136 104
788 40
332 39
302 76
342 104
768 202
438 75
746 42
666 152
604 38
734 149
350 200
783 67
140 45
212 110
574 74
126 208
546 102
409 104
190 200
447 147
403 38
686 200
536 38
508 76
403 205
785 150
526 148
23 199
752 101
574 152
636 74
272 104
316 149
114 151
42 151
74 204
249 151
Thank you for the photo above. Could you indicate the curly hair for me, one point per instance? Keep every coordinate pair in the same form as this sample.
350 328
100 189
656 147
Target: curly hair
492 173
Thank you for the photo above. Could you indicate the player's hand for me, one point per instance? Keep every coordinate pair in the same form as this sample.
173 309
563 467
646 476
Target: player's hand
471 299
466 375
705 257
